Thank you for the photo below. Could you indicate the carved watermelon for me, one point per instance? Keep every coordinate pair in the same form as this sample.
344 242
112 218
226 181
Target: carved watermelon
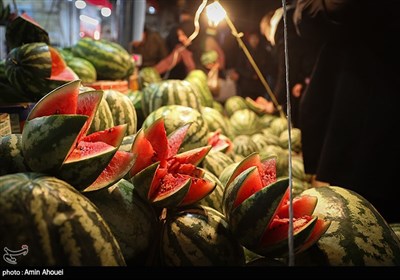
162 176
256 207
54 140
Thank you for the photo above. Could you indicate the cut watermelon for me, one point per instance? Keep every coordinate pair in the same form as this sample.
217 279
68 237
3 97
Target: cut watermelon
112 136
119 165
176 181
62 100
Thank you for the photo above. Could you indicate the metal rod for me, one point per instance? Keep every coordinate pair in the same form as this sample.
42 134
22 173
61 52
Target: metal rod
238 37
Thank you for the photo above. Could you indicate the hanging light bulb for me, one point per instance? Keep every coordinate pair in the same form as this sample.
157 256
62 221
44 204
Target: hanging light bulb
215 13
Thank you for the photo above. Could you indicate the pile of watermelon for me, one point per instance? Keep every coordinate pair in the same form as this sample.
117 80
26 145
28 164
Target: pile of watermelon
162 176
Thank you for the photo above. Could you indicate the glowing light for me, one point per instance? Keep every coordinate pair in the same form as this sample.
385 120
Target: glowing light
105 12
88 20
80 4
215 13
152 10
81 34
96 35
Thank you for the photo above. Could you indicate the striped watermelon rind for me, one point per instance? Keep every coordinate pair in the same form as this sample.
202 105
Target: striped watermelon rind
12 159
358 234
47 141
122 110
131 219
60 226
176 116
199 236
169 92
111 60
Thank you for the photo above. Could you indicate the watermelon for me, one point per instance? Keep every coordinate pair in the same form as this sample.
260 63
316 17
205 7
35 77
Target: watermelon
12 159
169 92
131 219
199 236
36 69
215 120
83 68
162 176
358 235
60 226
122 110
176 116
233 104
244 121
198 79
61 120
148 75
256 208
111 60
260 105
23 30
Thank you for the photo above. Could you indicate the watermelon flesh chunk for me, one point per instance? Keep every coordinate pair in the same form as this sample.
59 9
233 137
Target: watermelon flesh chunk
173 175
62 100
266 175
119 165
176 180
112 136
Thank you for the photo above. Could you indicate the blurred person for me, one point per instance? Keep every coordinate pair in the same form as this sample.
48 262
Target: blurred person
249 84
301 59
348 112
152 48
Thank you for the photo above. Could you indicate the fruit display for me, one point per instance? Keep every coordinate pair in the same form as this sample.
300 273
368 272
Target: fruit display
164 176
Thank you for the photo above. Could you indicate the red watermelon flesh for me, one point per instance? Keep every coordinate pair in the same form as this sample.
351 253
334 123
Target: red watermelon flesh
66 75
175 139
219 142
88 103
199 188
320 228
250 186
144 153
62 100
157 137
119 165
302 206
174 173
278 229
88 149
152 145
112 136
265 175
57 62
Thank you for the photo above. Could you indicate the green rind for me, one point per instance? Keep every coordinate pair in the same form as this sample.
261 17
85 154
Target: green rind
176 116
20 31
81 173
280 249
214 199
83 68
112 61
169 92
131 219
12 160
199 237
358 234
250 219
103 119
60 226
122 110
47 141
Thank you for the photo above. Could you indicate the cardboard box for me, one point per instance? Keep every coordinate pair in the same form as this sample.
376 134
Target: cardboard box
17 113
5 124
